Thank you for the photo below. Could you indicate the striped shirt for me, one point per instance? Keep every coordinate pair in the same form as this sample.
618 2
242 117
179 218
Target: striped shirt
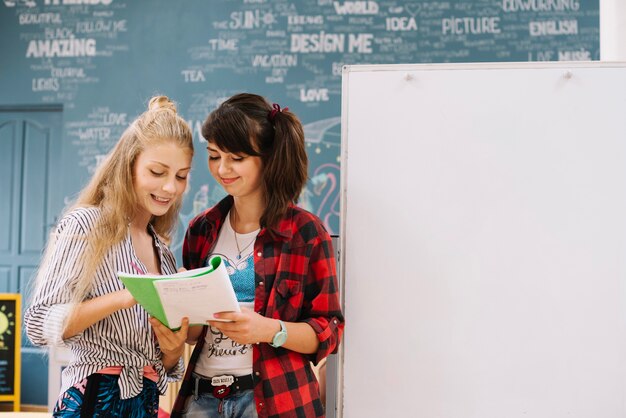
125 338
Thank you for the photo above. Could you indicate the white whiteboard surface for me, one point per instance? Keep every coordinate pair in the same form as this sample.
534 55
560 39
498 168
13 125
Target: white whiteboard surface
483 240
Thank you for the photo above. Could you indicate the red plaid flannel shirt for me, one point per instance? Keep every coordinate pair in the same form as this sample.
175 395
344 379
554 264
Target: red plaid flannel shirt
296 281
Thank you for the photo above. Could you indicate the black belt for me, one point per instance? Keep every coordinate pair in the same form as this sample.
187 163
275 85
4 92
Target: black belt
240 384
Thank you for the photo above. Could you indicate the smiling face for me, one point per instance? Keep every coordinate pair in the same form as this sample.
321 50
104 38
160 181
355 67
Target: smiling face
160 178
239 174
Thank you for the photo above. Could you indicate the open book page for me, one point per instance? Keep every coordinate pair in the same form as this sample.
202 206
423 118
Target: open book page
197 298
197 294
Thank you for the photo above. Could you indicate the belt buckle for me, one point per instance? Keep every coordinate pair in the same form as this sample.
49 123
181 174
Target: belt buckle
220 392
221 385
223 380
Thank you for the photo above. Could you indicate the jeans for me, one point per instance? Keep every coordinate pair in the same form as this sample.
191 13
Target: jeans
104 399
238 405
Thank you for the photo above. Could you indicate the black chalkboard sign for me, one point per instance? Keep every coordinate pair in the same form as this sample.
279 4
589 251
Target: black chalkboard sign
10 313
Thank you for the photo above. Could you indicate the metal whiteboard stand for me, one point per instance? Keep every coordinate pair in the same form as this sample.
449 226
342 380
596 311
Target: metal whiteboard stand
333 361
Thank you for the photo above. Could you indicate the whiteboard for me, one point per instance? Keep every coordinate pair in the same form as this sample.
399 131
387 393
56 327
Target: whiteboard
483 240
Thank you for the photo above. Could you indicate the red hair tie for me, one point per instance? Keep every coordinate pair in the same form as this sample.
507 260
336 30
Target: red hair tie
275 110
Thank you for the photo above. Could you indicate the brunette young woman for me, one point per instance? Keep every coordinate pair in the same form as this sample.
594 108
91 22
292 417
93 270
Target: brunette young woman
282 267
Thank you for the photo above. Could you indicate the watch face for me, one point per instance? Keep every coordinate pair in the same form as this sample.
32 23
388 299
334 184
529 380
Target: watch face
279 339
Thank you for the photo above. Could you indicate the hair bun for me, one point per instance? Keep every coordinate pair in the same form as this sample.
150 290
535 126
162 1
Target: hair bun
161 102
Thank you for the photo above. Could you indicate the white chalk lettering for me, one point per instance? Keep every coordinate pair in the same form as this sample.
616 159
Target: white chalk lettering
94 133
220 44
99 26
74 47
193 76
196 127
577 55
276 34
361 43
13 3
470 25
103 13
276 60
395 24
314 95
67 72
356 7
317 42
284 9
360 20
540 5
278 76
40 19
553 27
250 19
114 119
279 72
305 20
271 79
57 33
541 56
74 2
119 26
100 158
45 84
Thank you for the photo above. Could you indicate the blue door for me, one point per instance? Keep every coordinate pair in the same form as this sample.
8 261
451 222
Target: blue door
30 151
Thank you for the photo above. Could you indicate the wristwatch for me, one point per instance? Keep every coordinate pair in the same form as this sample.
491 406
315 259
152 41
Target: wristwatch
280 337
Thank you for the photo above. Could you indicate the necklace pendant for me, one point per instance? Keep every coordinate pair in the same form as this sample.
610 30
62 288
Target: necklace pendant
238 256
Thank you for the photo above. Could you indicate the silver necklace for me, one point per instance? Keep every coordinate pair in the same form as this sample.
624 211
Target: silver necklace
240 250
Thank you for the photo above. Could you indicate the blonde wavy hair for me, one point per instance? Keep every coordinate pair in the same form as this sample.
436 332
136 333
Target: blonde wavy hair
111 189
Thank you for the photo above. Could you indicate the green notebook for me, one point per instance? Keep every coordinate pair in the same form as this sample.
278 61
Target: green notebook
196 294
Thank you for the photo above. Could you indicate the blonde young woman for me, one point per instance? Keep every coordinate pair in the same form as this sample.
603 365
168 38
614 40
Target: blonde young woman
122 220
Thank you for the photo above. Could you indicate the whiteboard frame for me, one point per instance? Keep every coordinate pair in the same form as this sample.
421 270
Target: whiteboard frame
410 71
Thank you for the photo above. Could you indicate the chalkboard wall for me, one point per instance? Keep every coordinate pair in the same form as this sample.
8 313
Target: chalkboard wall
102 59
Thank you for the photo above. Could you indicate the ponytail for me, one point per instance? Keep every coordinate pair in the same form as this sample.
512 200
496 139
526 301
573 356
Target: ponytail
286 167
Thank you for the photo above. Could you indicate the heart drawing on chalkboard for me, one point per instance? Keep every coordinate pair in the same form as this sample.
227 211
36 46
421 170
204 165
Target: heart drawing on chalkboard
413 8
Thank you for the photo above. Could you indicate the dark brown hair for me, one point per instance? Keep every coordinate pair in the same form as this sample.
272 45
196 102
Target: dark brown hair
242 125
